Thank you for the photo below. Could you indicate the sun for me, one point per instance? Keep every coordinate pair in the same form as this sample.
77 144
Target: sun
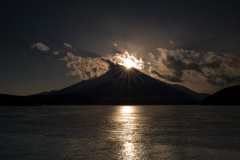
129 61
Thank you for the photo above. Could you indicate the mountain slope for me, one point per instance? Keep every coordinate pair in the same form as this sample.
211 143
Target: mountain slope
118 86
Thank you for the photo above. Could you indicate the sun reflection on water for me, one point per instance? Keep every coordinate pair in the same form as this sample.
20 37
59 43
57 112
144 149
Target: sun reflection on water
128 134
129 150
127 109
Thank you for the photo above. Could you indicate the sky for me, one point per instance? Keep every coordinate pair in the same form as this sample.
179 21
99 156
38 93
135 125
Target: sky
49 45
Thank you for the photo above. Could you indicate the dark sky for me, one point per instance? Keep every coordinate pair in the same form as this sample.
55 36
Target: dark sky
92 27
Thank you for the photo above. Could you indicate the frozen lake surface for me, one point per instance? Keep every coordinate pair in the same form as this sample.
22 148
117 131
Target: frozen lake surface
120 132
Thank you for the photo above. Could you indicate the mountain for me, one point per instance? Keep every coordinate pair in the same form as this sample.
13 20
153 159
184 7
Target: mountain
227 96
118 86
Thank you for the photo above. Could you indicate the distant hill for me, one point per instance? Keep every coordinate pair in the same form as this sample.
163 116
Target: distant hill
6 100
227 96
119 86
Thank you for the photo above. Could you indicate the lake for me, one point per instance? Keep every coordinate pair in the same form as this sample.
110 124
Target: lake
120 132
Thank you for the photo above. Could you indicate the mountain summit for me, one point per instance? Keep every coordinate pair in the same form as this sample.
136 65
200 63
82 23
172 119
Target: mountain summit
120 85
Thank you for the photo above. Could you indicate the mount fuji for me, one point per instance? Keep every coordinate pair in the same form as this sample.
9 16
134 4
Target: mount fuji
118 86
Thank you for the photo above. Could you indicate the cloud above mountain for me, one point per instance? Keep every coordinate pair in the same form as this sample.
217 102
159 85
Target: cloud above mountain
85 68
179 65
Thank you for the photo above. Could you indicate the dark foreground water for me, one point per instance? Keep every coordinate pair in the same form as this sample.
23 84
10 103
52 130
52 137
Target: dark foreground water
120 132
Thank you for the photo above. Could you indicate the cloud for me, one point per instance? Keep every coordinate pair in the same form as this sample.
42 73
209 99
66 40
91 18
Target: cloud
85 68
220 69
67 45
167 77
172 43
56 53
40 46
90 67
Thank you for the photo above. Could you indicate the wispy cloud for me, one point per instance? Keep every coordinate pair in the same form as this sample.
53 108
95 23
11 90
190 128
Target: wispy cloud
56 53
172 43
67 45
40 46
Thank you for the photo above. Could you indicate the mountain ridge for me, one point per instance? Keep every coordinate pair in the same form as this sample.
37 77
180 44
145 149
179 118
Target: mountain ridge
117 86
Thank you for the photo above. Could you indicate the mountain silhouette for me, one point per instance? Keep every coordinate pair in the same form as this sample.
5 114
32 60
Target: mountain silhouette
120 86
226 96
